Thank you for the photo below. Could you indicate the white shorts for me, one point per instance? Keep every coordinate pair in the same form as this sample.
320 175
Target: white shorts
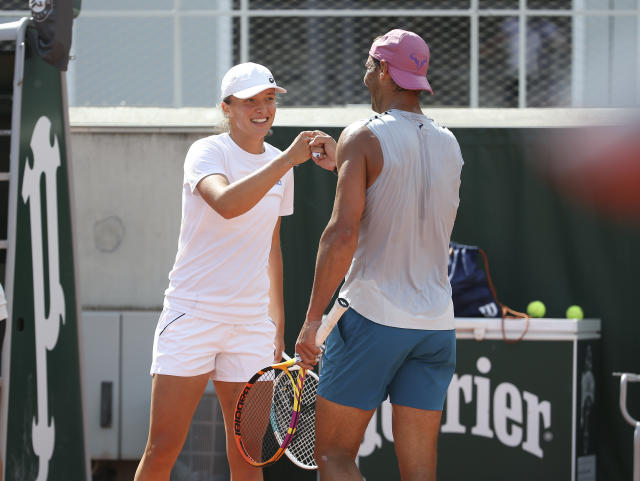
184 345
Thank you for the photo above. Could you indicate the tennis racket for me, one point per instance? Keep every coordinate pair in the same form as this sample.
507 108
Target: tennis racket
300 449
269 408
271 391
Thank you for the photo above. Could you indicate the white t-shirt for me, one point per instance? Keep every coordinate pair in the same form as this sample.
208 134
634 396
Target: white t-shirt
220 271
398 276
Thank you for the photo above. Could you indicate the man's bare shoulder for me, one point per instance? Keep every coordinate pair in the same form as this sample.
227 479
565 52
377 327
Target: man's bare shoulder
360 145
355 134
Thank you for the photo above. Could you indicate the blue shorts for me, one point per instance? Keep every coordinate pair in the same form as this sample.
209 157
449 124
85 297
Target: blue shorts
365 362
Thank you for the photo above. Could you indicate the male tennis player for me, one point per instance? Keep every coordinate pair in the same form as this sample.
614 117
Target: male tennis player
395 205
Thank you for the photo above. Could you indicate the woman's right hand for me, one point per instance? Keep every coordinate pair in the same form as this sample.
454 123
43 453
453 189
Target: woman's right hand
299 151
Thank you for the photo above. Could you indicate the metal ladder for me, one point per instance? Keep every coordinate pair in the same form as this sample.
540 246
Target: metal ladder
5 177
7 63
10 32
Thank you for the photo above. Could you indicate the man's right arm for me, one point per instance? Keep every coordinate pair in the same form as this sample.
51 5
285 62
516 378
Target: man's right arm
356 151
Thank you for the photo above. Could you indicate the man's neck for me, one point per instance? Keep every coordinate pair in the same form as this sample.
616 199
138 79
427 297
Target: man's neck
407 101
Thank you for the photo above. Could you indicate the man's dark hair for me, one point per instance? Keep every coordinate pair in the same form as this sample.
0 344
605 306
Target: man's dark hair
376 62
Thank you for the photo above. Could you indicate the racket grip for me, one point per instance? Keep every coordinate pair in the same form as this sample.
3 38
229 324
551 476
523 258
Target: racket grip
331 319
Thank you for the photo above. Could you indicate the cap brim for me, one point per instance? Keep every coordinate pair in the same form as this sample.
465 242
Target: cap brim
250 92
409 81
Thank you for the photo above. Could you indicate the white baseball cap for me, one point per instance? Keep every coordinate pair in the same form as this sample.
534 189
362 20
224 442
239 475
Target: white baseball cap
246 80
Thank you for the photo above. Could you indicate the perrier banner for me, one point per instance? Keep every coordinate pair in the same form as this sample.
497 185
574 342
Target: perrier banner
45 436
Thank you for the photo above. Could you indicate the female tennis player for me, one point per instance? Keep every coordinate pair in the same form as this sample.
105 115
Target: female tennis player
223 316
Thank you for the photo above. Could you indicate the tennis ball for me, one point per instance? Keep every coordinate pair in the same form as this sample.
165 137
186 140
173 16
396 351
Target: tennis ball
575 312
536 309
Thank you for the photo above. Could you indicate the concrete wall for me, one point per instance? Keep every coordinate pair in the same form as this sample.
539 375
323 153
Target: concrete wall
127 189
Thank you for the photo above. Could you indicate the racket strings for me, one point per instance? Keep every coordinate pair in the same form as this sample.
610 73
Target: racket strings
282 407
304 439
255 427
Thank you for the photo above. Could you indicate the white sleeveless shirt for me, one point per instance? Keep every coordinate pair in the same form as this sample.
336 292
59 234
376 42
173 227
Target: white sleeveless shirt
398 276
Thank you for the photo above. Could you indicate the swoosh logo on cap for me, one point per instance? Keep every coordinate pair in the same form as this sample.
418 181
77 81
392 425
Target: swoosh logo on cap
271 80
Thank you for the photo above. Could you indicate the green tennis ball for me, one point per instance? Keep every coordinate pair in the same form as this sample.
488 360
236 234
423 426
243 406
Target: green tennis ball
575 312
536 309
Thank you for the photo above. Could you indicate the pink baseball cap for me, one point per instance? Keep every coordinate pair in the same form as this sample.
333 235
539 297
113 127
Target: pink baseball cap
408 57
